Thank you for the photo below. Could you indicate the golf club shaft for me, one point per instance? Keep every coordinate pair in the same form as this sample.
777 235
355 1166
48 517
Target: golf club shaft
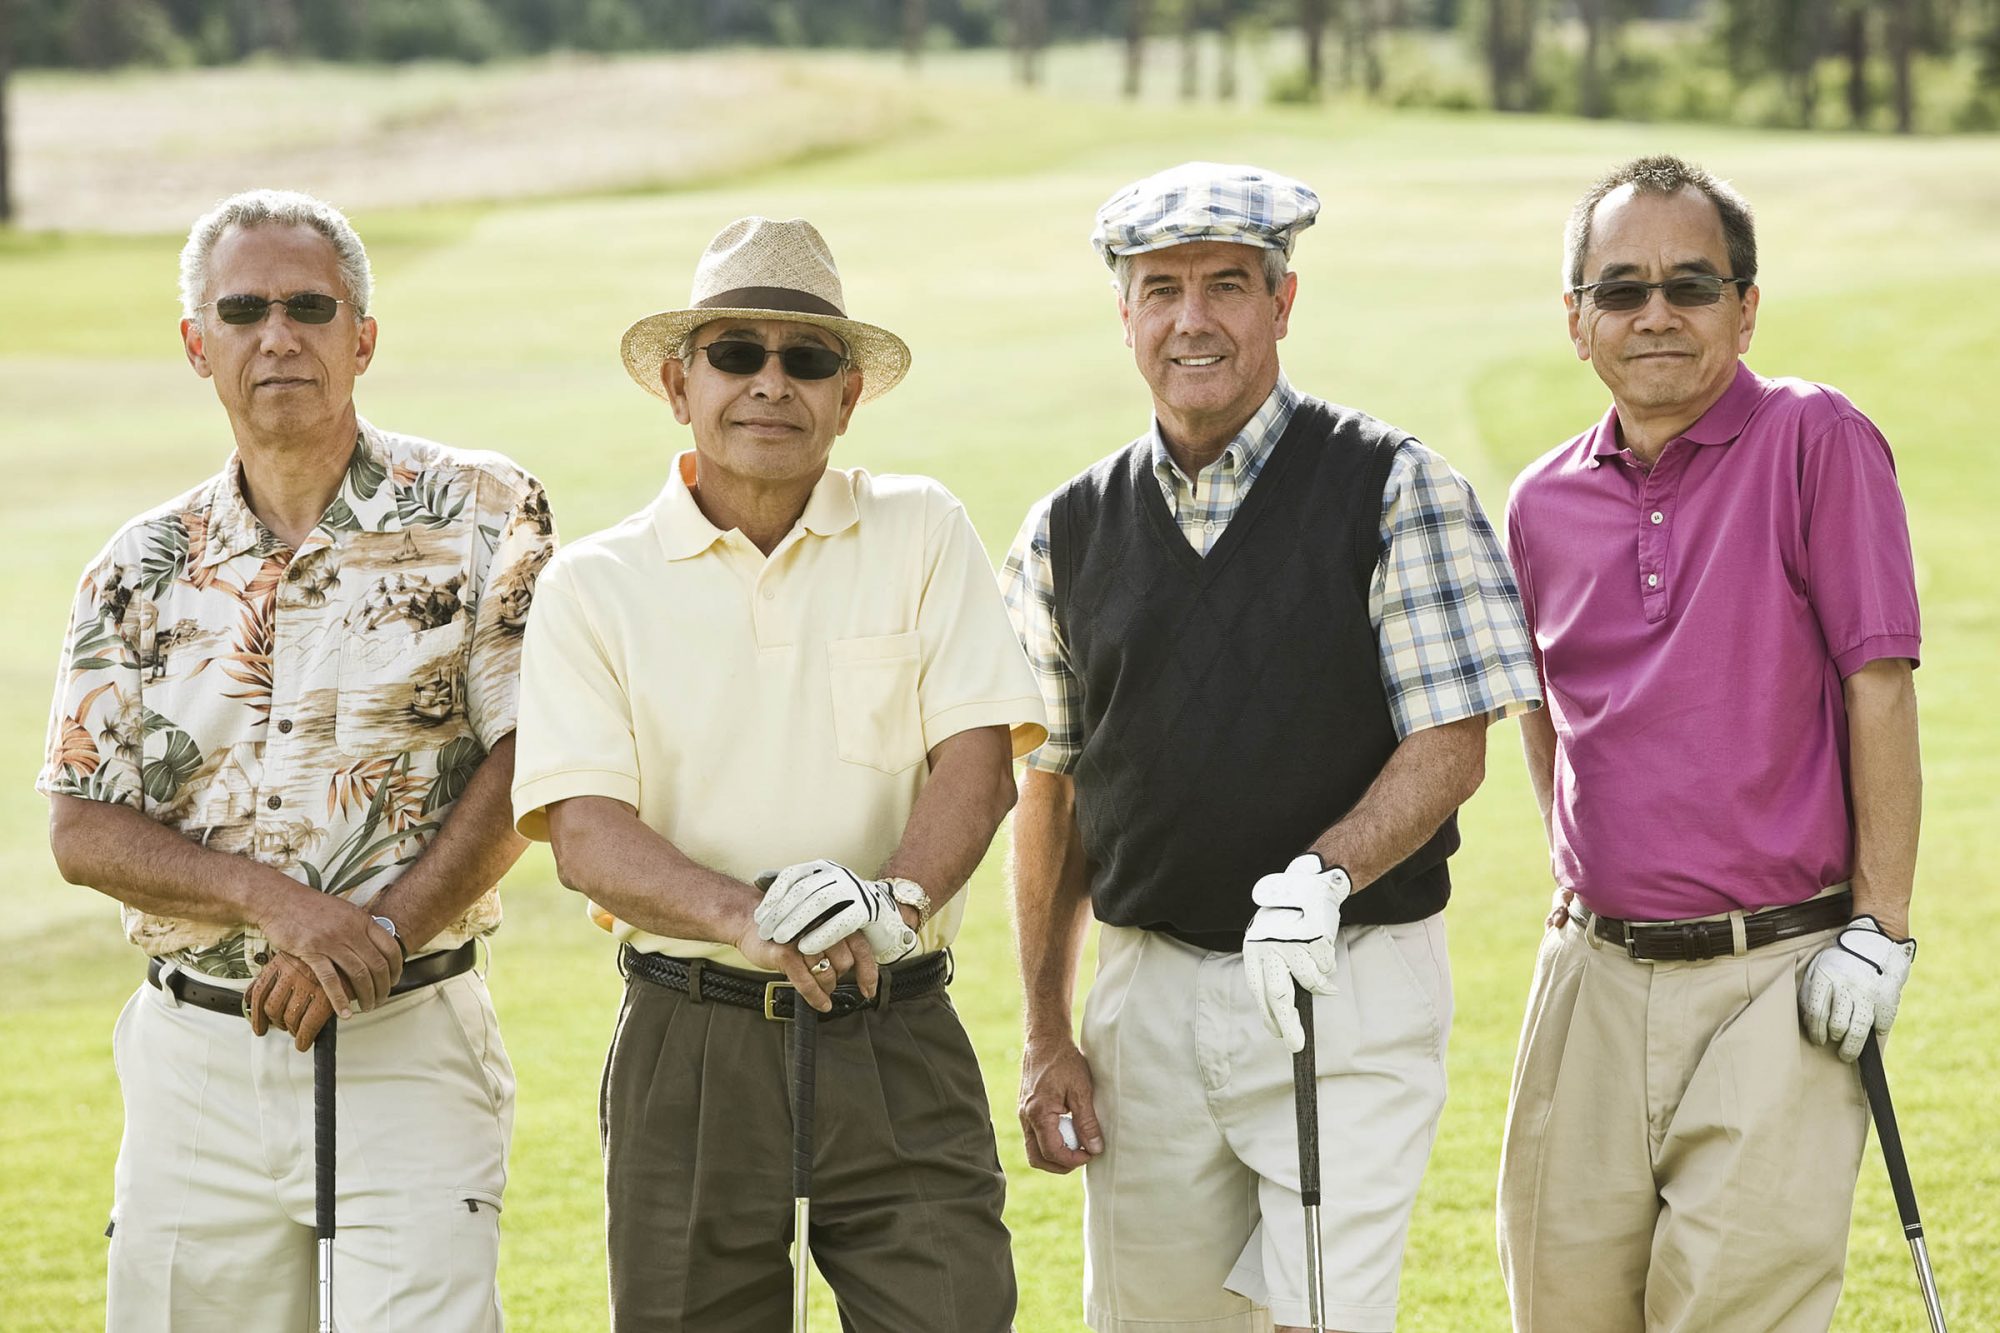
323 1157
1875 1082
805 1026
1305 1099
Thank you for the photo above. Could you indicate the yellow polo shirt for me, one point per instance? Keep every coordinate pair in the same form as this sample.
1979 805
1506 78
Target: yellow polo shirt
762 711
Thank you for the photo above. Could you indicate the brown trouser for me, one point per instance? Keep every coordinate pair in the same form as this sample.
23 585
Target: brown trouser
907 1187
1678 1157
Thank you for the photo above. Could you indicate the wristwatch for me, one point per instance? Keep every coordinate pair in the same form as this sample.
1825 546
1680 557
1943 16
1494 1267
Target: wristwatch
394 934
911 894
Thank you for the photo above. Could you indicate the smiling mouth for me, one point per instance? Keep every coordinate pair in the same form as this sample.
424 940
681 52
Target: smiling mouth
1195 362
281 383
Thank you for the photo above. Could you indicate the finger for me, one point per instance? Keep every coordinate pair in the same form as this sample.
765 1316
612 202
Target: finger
1841 1014
1083 1114
807 910
1812 1006
780 890
807 982
1061 1158
253 1000
1032 1144
782 902
1325 955
332 983
839 957
364 980
1860 1024
867 972
842 927
296 1004
315 1018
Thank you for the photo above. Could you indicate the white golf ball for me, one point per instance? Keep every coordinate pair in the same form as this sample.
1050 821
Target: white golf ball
1066 1127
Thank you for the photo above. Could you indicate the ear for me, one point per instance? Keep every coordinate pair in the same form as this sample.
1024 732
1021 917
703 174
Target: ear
1579 336
673 376
364 345
191 343
1125 318
1748 328
850 398
1288 292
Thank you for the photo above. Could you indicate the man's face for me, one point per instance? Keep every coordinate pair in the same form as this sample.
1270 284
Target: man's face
1204 331
279 378
766 426
1660 357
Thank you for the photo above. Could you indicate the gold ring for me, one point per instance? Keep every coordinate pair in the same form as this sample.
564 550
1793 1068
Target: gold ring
822 965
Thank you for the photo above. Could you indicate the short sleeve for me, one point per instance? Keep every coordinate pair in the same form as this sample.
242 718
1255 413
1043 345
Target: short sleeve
1027 585
973 673
575 734
516 519
1860 571
1448 618
96 723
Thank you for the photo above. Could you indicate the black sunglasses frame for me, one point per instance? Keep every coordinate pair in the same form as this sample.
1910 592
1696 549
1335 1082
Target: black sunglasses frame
1699 282
300 308
800 361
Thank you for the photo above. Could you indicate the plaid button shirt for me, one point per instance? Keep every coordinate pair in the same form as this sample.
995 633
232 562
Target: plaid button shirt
1447 615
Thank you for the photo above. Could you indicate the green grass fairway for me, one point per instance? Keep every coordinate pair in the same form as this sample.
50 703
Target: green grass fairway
1427 295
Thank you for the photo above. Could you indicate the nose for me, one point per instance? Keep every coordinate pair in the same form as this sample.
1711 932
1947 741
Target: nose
1657 314
1194 314
771 383
277 332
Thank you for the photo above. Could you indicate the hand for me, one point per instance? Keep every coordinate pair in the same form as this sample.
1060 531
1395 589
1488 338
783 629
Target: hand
1291 939
1559 909
352 956
1055 1080
1852 986
815 984
821 902
288 995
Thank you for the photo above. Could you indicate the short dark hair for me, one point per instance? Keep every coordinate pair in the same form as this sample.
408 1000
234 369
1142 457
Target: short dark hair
1664 175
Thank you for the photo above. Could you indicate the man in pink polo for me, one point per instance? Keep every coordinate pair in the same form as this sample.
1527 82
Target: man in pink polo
1719 583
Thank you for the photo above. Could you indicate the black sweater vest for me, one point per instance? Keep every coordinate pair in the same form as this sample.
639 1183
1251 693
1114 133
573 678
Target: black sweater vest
1233 705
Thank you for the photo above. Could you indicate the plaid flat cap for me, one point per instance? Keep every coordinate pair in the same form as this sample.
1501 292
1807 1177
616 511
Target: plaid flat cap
1204 201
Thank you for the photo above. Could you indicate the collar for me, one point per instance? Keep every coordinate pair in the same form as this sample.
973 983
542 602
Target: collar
366 502
1721 424
1250 446
685 531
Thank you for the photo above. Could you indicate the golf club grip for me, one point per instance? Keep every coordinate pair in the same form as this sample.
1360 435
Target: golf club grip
1875 1082
1305 1099
805 1026
323 1134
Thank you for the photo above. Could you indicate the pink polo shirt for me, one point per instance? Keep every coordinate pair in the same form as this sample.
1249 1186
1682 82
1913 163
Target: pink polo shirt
1693 623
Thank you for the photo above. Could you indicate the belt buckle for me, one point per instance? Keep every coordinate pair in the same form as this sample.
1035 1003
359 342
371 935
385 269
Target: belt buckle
771 989
1632 943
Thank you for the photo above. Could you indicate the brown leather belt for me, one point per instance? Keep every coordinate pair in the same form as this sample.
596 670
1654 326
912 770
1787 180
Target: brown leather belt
1693 941
431 968
702 981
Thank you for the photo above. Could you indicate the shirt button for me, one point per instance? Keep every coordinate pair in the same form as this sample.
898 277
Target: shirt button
275 802
770 594
261 957
1658 517
1652 581
284 726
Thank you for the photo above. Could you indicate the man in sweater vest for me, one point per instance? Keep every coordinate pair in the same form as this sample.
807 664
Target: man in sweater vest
1719 579
1270 633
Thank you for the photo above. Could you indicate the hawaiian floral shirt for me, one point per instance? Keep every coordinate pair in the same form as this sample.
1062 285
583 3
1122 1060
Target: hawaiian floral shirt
318 710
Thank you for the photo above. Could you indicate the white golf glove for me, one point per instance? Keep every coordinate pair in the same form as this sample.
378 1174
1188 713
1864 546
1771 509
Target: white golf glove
1291 939
820 903
1852 986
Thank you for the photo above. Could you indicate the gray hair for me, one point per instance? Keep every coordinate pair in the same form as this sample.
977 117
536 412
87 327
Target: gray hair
1663 175
274 208
1274 261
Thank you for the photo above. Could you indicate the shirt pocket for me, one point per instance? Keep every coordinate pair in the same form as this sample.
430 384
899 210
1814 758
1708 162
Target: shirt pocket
400 691
876 720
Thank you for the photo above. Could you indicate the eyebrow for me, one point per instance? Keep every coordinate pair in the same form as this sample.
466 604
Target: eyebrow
1612 272
1149 279
792 338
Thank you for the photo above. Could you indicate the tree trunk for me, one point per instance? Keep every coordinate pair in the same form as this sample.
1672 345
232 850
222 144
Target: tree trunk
1808 42
1510 38
1901 42
1190 54
6 68
1137 12
1225 62
1312 29
1367 27
1590 74
1857 66
915 23
1031 21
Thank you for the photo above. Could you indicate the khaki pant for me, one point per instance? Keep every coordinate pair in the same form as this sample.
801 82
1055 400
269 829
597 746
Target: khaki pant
1678 1158
212 1208
1191 1215
907 1188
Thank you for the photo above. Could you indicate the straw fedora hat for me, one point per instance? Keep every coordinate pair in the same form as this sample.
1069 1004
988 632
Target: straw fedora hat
756 268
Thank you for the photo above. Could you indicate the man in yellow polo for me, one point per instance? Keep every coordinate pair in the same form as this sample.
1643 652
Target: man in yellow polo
778 666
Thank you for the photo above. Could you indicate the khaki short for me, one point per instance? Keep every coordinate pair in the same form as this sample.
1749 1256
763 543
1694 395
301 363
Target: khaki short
1192 1218
1678 1157
212 1208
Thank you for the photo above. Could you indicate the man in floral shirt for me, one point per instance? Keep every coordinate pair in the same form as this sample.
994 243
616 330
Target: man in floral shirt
283 739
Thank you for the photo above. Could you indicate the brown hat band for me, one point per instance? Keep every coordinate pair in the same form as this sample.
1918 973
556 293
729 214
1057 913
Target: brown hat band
770 298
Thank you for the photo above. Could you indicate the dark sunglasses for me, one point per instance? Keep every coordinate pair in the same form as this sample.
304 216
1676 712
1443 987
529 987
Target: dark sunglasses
305 308
1686 292
801 361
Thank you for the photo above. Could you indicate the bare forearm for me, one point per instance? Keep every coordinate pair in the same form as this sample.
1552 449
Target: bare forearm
604 851
971 789
1051 901
476 846
1886 772
123 854
1427 777
1538 743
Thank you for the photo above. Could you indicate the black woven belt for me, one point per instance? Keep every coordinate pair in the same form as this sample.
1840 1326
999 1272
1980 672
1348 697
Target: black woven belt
1692 941
418 973
702 981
